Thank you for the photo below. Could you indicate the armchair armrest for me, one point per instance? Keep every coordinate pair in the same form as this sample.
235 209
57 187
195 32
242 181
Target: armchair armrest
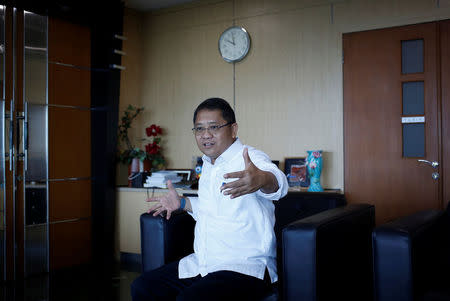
404 251
328 256
164 241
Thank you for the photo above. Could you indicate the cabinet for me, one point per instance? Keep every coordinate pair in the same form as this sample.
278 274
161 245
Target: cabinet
47 142
24 157
59 122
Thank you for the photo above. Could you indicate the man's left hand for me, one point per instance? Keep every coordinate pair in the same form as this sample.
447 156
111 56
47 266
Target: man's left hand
249 180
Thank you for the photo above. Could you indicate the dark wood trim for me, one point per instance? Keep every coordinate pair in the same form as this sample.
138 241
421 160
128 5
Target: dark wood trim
445 109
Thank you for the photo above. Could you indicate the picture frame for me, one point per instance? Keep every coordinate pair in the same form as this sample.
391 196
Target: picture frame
296 171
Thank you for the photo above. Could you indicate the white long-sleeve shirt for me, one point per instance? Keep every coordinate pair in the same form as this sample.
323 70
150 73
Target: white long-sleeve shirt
233 234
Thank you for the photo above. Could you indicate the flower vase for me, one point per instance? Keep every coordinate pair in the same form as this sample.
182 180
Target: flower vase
133 170
314 166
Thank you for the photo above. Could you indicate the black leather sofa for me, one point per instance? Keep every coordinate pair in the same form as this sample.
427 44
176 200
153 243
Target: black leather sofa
324 246
411 257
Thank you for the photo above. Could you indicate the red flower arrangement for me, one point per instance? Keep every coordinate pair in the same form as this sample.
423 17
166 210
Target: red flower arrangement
153 130
153 149
152 153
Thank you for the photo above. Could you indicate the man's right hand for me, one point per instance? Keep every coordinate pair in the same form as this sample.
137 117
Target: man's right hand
168 202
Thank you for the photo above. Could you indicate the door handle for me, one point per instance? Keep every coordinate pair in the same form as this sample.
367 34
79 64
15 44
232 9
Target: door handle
23 116
433 164
25 135
11 133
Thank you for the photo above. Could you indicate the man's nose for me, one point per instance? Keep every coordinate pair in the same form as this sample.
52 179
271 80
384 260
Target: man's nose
206 134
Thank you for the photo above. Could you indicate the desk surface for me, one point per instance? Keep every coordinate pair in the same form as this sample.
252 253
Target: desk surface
183 190
144 189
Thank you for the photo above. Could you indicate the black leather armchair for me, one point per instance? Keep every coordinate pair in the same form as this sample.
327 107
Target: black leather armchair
412 257
324 246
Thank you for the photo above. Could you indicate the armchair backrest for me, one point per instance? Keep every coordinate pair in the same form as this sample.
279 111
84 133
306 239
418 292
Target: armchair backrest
298 205
164 241
411 256
327 256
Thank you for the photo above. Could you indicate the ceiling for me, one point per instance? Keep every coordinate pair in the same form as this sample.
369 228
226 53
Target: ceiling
147 5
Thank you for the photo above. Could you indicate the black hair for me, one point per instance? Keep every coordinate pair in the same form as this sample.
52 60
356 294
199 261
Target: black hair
215 103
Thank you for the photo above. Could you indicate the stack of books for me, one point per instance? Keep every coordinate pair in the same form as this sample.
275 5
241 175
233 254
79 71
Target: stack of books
159 178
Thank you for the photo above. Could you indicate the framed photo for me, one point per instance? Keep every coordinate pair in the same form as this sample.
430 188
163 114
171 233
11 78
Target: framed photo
296 171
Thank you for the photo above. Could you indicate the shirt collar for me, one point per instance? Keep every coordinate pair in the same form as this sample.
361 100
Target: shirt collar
228 154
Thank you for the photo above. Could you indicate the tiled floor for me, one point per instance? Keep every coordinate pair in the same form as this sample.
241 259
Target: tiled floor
71 285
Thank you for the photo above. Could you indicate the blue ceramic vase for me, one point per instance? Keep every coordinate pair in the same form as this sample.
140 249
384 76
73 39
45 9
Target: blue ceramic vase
314 166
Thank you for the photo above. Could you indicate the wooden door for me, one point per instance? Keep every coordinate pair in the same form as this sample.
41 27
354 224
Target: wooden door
392 119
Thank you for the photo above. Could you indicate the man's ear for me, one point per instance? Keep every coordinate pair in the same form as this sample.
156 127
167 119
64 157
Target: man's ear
234 130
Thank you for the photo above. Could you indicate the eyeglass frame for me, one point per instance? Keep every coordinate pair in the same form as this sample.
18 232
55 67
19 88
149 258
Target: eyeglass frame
211 131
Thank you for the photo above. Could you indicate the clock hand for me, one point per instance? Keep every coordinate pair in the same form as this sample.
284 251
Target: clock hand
229 42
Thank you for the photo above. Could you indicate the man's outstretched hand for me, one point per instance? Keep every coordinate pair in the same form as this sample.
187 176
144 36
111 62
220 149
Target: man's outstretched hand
168 202
249 180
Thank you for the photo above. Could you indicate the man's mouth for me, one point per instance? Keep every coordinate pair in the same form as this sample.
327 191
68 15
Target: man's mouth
208 144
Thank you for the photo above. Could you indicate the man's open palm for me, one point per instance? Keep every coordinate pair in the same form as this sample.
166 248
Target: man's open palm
168 202
248 180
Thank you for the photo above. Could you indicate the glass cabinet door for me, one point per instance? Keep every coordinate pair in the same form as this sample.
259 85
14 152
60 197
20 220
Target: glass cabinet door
33 145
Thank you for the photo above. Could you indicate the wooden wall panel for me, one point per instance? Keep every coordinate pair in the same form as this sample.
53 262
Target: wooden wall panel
69 43
70 200
69 86
70 244
69 143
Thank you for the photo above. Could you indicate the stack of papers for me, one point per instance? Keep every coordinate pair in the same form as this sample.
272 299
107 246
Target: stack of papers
160 178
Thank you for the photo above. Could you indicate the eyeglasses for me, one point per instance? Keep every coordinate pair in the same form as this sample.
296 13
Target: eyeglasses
213 129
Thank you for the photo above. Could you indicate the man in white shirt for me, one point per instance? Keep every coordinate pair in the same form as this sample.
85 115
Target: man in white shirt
234 247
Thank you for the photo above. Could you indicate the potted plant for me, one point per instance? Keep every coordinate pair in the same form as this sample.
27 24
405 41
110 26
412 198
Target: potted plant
151 157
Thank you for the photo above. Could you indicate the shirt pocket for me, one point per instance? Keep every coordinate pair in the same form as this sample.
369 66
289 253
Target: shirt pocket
229 208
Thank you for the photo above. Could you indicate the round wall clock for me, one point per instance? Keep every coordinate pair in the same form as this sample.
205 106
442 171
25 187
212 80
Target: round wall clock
234 44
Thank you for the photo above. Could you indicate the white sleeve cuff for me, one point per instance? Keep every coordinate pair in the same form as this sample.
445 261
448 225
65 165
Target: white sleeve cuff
282 183
194 203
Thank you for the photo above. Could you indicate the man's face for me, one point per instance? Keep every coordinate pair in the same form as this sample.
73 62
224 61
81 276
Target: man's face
214 144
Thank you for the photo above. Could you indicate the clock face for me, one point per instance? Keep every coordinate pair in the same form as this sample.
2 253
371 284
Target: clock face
234 44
